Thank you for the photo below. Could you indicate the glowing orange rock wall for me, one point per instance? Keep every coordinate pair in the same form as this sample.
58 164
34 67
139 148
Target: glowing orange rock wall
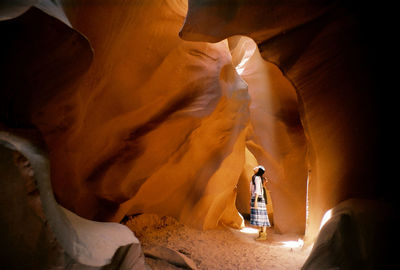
321 48
160 124
155 125
276 136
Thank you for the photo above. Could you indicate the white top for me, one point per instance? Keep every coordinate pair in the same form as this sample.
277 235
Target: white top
256 190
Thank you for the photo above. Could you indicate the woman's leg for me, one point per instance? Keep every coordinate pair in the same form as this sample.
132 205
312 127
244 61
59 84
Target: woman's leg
262 235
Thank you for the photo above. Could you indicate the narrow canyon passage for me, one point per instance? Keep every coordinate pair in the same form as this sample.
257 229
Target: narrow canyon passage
153 113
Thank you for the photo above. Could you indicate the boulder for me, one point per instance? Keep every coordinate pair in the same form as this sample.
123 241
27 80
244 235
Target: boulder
36 232
356 234
170 256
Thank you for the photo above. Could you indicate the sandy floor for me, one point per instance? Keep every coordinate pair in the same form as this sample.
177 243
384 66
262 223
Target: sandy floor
223 248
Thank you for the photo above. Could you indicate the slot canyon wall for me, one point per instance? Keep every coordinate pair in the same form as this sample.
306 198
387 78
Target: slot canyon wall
327 52
138 119
155 124
275 137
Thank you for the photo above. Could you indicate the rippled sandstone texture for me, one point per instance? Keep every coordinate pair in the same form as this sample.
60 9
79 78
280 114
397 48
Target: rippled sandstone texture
153 123
156 124
276 136
325 50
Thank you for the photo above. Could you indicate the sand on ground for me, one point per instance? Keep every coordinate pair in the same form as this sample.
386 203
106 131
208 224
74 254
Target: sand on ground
223 248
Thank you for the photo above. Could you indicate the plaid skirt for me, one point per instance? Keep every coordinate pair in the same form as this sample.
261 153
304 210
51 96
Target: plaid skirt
259 216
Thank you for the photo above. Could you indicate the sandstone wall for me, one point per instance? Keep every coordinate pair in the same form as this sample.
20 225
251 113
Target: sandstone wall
155 125
139 120
276 137
323 48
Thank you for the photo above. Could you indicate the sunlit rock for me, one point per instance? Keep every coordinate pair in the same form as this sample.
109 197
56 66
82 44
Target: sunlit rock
243 191
326 52
276 137
157 124
154 122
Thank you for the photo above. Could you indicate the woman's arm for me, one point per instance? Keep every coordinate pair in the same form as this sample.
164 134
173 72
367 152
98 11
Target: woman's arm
258 186
257 192
265 182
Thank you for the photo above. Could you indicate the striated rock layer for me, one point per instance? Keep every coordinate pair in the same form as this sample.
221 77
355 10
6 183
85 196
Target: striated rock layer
156 124
324 49
276 137
136 119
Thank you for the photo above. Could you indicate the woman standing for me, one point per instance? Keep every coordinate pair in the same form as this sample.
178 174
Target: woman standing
258 211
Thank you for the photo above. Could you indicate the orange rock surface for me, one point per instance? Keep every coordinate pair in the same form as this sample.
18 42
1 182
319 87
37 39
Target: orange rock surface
141 114
157 124
322 48
276 137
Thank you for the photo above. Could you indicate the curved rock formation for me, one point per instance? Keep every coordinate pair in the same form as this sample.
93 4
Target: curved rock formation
321 47
42 57
105 130
349 238
155 125
276 136
36 232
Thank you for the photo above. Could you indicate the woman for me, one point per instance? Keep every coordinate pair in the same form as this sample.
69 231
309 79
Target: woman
258 212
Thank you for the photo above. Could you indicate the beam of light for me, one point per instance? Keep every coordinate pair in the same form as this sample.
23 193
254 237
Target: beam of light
250 48
293 244
326 218
249 230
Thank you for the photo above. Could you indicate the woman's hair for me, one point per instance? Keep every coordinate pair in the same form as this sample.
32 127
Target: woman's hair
260 172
